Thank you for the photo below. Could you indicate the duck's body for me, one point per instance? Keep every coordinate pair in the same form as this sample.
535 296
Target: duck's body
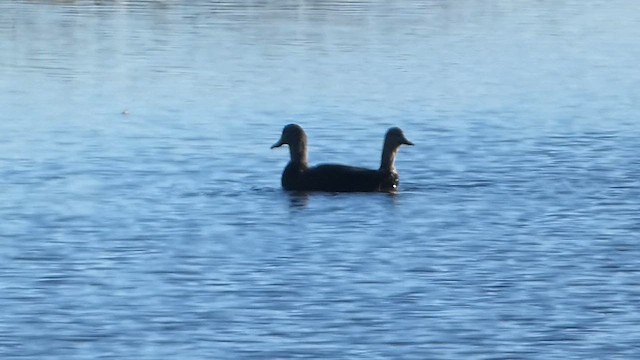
337 178
299 176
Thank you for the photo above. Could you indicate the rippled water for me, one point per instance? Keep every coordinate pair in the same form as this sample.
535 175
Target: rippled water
142 215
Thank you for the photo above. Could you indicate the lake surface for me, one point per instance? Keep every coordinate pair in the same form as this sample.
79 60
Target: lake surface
141 208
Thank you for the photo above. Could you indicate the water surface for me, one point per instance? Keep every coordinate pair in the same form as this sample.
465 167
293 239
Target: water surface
142 215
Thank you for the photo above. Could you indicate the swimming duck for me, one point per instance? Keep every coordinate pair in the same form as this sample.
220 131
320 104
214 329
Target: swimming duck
299 176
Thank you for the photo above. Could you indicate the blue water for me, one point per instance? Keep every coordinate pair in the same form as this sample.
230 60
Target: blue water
142 215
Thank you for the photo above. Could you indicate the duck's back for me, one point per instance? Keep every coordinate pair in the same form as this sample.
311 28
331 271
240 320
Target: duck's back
337 178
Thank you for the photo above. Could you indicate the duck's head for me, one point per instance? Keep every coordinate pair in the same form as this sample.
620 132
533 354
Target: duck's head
395 137
292 134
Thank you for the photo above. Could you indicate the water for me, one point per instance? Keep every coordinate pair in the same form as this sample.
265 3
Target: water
142 216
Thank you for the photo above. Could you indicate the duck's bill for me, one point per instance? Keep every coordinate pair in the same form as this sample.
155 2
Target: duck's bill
406 142
278 144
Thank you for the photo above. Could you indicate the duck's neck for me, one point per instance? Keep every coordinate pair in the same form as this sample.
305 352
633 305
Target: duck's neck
299 152
389 152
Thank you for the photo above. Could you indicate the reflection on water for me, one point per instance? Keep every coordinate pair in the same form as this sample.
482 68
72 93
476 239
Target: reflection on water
298 199
142 215
301 199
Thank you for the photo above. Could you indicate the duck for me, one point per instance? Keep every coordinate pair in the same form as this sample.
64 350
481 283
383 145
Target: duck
299 176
